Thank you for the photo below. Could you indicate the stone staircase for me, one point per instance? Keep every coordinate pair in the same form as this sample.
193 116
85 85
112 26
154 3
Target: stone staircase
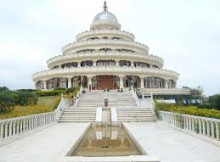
91 100
127 109
78 115
135 115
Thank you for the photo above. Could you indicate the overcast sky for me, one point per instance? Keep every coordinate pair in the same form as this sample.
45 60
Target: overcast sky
186 34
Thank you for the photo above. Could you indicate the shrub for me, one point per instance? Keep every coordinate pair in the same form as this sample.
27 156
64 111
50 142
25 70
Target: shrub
7 103
49 93
70 90
27 90
205 106
27 98
191 110
59 89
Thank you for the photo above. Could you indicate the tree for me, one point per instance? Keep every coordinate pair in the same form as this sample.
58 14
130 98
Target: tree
7 103
195 94
3 89
215 101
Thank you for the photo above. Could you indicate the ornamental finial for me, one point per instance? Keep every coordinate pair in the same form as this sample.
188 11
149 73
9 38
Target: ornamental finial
105 6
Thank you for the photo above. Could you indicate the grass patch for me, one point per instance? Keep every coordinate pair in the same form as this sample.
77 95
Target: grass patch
49 101
44 104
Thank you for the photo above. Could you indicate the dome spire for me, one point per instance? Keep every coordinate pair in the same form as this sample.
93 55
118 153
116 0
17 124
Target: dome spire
105 6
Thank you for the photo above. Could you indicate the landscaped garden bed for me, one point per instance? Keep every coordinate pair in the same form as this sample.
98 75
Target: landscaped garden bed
191 110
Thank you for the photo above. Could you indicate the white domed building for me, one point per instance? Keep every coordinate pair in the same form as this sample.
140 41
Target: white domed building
108 57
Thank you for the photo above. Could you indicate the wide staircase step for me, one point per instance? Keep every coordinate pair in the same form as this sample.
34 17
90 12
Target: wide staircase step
135 115
127 109
78 115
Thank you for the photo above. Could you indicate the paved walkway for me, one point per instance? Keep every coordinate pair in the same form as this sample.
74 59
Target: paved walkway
159 141
170 145
46 145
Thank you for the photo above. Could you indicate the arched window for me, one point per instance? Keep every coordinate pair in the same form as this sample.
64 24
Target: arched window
171 83
105 63
155 82
141 64
124 63
86 63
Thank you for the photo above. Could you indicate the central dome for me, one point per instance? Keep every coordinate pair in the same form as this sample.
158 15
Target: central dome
106 16
105 20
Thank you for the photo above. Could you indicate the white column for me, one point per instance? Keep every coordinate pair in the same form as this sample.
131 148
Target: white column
116 62
94 63
78 64
142 82
166 83
90 81
69 82
121 82
45 84
132 63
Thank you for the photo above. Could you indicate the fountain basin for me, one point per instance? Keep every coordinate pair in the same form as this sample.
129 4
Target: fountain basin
105 141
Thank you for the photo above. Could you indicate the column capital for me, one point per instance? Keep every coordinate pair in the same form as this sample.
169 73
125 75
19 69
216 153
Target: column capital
90 76
121 76
142 76
69 77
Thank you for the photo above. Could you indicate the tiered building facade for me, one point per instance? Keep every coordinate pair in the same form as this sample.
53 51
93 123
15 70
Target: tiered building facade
107 57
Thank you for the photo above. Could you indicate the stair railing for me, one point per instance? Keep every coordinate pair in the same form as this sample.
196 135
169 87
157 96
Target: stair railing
134 95
152 102
76 99
64 104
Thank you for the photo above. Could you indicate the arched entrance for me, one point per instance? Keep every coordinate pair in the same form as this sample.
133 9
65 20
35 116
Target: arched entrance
131 81
102 82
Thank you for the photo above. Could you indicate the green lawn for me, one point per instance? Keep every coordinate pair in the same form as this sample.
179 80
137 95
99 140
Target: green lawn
48 101
44 104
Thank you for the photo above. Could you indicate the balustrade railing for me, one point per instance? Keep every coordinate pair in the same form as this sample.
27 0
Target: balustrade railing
19 125
204 126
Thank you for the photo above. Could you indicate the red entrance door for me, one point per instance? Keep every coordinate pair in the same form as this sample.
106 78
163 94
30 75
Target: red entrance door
104 82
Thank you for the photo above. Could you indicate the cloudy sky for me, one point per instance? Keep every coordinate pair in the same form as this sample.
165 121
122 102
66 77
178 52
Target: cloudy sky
185 33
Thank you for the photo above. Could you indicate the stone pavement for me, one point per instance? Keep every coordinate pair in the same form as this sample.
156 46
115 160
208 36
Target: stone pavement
47 145
170 145
159 141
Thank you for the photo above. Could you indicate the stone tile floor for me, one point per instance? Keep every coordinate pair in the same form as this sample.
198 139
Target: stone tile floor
164 143
45 145
170 145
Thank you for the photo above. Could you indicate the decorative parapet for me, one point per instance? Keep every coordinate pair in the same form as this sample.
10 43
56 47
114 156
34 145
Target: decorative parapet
99 70
165 91
100 33
199 125
97 44
61 59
